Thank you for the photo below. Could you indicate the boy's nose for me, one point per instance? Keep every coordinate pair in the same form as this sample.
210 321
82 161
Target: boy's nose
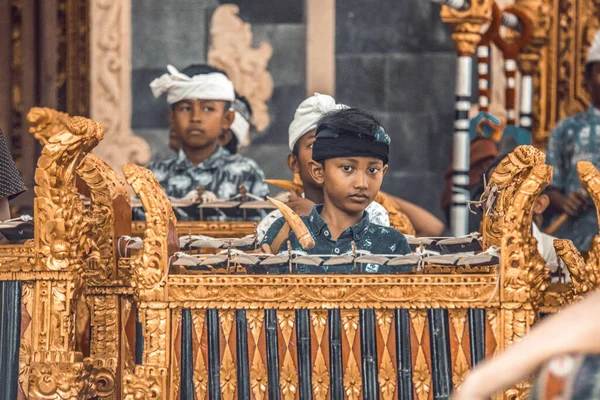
361 181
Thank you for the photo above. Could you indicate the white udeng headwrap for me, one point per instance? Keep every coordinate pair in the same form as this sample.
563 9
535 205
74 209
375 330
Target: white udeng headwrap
594 50
240 127
308 114
178 86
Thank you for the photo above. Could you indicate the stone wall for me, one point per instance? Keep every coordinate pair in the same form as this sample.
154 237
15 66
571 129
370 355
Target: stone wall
393 58
396 59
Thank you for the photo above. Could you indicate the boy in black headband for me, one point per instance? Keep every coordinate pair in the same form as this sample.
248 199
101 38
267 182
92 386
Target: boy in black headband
350 156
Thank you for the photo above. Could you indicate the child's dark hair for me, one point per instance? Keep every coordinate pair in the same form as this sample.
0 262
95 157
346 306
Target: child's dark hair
202 69
232 146
349 121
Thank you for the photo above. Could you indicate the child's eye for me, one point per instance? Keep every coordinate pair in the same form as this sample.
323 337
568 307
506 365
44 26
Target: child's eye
208 109
346 168
185 109
373 170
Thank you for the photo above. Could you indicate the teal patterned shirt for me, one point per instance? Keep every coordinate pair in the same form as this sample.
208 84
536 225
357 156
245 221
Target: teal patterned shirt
367 236
574 139
222 173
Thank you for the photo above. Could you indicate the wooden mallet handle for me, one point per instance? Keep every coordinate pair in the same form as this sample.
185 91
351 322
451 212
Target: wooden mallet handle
555 226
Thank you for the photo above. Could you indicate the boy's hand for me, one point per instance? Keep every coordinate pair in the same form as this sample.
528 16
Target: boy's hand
300 205
574 203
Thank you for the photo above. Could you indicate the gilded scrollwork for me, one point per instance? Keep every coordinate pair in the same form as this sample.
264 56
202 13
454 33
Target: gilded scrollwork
504 181
60 376
146 383
524 273
150 268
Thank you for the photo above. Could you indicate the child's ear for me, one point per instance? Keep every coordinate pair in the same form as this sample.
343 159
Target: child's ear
542 202
384 170
228 118
316 171
225 137
293 163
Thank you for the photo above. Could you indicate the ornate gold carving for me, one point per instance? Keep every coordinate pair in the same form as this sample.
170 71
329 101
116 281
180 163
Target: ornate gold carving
110 77
146 383
59 217
421 374
524 275
585 274
352 375
387 371
154 325
398 219
458 319
320 374
258 370
200 371
231 50
538 12
507 177
467 25
60 375
175 371
322 291
289 373
213 229
45 123
150 268
228 369
104 348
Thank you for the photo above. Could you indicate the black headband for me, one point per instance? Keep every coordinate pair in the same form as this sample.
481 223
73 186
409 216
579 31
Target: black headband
325 148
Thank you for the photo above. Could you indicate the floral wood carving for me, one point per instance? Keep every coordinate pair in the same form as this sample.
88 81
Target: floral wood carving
585 274
231 50
524 275
506 179
150 268
110 70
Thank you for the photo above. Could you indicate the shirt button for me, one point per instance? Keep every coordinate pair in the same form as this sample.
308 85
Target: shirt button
326 233
336 250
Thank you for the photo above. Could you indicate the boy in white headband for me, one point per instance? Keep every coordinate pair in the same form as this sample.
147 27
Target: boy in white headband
574 139
200 98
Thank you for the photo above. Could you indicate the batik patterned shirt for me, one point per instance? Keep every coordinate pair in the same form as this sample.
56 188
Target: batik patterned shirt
574 139
222 174
366 235
377 214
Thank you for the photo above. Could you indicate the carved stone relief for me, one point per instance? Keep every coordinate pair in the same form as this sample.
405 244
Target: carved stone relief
231 50
110 76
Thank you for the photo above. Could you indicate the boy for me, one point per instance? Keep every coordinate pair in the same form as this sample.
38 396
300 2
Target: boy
574 139
200 98
302 135
350 155
301 138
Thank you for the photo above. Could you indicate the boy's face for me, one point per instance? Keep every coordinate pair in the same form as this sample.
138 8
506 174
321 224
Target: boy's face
352 183
198 123
300 163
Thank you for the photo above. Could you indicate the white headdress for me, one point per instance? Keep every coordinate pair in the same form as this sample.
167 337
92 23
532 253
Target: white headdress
178 86
593 54
241 123
308 114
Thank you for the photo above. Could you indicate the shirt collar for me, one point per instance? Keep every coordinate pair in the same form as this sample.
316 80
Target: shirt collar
318 225
182 161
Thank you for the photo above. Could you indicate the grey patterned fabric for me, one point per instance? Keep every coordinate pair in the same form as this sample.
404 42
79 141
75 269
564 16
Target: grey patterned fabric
222 174
11 183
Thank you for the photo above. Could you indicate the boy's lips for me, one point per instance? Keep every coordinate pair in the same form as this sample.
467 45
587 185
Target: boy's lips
195 132
358 197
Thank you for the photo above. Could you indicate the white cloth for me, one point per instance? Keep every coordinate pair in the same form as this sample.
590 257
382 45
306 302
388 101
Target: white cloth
240 128
377 215
593 54
178 86
546 248
308 114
